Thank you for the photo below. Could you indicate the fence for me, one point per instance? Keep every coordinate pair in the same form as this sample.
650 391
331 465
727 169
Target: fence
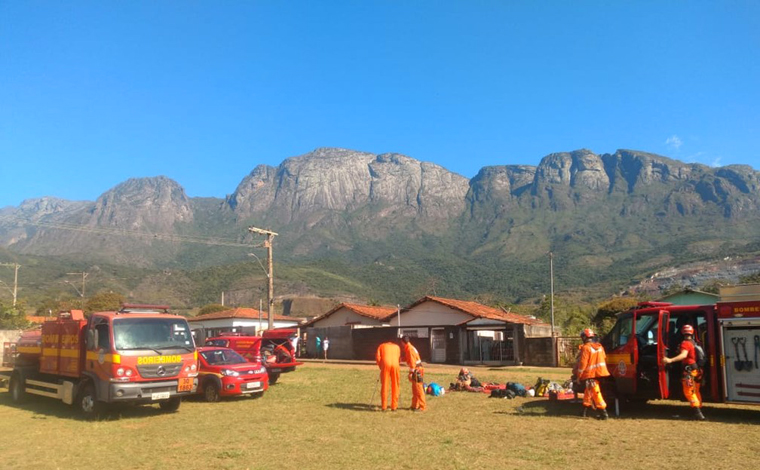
567 350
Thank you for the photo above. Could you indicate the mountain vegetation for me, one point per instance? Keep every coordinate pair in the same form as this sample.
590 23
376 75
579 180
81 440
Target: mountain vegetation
389 228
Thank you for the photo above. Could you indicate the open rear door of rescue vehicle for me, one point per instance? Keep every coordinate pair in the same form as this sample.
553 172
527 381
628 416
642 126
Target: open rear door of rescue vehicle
663 325
622 354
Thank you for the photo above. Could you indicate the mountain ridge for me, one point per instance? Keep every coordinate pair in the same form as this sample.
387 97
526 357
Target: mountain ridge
610 216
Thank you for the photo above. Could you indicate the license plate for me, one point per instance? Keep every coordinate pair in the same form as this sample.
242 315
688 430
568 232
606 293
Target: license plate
160 396
185 385
253 384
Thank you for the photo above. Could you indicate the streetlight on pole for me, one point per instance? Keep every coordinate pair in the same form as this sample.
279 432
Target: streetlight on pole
270 275
15 266
84 277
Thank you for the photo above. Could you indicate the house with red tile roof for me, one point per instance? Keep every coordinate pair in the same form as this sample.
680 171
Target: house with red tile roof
467 332
241 320
354 315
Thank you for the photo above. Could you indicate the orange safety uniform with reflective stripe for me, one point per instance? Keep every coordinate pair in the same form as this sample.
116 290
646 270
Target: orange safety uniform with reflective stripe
591 366
415 364
592 362
388 358
692 375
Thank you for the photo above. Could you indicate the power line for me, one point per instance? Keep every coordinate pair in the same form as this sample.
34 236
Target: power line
131 233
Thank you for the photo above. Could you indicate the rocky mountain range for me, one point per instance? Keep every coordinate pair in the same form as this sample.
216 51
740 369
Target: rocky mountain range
388 225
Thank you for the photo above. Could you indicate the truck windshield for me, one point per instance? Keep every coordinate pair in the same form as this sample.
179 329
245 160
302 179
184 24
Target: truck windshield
151 333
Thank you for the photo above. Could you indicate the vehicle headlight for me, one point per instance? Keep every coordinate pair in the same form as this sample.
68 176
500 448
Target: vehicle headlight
231 373
261 370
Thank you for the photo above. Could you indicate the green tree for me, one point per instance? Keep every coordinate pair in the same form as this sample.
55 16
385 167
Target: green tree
570 316
104 302
52 307
211 308
12 318
606 314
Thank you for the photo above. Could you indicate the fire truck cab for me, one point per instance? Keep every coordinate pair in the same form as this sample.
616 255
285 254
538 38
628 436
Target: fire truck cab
139 354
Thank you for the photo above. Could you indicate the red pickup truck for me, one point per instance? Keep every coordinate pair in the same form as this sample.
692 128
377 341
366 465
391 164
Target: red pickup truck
274 349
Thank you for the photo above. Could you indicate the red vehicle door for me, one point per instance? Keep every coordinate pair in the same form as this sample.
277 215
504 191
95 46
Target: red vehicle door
663 325
622 353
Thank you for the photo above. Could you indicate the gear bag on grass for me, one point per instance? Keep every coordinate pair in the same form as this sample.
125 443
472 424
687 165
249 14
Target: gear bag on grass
434 389
518 389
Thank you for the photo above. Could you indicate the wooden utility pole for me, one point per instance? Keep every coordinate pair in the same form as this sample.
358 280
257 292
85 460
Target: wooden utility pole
270 274
15 267
554 338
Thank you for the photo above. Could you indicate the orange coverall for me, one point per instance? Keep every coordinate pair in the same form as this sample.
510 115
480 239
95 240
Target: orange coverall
591 366
692 376
418 389
388 357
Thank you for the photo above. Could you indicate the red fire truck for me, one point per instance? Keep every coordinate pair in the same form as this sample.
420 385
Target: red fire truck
139 354
728 331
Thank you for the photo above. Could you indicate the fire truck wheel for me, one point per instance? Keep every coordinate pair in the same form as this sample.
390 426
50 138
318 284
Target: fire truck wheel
210 392
17 389
273 378
171 405
88 403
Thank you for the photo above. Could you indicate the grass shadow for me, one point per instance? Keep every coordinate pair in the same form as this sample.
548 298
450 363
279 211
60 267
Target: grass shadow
43 408
354 406
631 411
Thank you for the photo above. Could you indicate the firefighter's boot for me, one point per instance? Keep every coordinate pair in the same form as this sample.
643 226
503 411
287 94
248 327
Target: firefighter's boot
698 416
584 413
602 415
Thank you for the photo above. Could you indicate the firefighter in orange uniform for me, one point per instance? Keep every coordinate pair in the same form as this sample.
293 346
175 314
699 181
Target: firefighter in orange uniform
592 366
388 358
692 374
416 375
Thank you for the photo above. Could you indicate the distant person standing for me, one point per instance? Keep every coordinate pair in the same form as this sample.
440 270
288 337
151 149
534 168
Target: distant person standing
294 344
318 349
590 368
326 346
388 358
416 374
692 374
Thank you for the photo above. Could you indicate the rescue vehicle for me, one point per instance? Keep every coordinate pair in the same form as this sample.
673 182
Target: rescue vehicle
272 348
140 354
224 373
728 331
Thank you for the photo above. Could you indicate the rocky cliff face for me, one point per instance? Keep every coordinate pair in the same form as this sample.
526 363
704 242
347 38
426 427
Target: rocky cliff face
336 199
329 180
627 181
50 226
143 204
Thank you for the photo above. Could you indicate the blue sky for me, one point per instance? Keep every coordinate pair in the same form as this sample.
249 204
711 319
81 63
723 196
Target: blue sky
93 93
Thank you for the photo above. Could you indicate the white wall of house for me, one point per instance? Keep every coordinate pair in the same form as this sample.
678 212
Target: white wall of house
431 313
344 316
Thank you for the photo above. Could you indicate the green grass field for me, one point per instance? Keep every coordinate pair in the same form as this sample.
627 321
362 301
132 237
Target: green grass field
320 417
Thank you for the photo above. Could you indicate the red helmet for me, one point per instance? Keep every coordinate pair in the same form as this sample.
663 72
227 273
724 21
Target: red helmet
587 333
687 330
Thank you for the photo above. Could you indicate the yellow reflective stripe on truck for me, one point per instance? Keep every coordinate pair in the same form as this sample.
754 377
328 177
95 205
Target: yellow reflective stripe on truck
95 356
55 352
